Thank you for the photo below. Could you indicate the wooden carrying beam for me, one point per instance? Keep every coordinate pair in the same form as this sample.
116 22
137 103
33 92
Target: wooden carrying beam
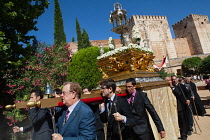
52 102
20 105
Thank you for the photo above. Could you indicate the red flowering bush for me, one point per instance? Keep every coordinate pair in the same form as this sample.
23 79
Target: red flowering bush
48 64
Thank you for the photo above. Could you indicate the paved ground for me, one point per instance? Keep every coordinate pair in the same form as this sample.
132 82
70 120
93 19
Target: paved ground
204 122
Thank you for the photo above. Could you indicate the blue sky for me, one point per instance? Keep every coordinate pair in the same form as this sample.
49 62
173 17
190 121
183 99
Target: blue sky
93 15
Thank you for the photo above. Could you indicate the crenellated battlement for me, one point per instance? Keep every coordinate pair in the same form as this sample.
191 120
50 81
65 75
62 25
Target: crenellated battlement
198 16
190 17
135 18
152 17
181 21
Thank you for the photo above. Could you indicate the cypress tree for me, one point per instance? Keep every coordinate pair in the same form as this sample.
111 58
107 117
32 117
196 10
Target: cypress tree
85 39
79 35
59 34
73 40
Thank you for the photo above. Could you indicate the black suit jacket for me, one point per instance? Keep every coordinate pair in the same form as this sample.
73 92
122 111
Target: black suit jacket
182 94
41 124
140 105
124 109
197 105
95 109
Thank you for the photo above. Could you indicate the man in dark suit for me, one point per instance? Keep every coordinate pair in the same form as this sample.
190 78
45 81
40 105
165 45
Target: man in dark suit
41 120
190 120
95 109
78 121
139 103
183 101
115 111
197 106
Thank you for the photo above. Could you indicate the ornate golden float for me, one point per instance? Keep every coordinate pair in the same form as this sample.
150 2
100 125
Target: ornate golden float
130 62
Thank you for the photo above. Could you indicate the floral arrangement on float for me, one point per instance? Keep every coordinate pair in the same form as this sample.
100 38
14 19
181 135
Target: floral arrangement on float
125 49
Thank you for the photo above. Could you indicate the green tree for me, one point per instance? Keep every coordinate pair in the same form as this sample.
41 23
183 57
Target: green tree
82 37
84 69
59 34
79 35
162 73
85 39
18 17
205 65
3 53
73 40
192 63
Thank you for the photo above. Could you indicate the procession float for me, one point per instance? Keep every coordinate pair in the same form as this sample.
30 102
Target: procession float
135 60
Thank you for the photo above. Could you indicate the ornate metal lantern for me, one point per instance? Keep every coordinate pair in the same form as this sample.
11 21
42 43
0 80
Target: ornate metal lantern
118 19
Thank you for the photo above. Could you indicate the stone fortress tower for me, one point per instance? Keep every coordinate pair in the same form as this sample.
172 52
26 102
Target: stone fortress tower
196 29
155 34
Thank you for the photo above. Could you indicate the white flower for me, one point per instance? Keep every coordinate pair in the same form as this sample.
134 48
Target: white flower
135 33
124 48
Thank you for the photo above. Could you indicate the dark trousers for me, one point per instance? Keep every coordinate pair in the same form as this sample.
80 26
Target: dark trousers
182 120
131 135
113 137
100 134
190 118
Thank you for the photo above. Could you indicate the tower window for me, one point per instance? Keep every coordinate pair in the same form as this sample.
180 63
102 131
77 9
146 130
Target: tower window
201 22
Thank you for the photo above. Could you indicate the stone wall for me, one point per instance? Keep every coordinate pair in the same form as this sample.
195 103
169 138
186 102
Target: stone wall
105 43
203 31
196 29
73 45
182 47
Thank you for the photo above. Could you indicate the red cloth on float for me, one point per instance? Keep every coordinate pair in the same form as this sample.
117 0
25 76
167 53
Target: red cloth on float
92 100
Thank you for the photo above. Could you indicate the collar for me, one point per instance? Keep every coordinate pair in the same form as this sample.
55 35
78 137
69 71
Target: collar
175 84
134 93
112 98
71 108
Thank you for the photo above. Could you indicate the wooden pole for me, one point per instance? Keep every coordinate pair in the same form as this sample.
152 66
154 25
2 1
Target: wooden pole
118 124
